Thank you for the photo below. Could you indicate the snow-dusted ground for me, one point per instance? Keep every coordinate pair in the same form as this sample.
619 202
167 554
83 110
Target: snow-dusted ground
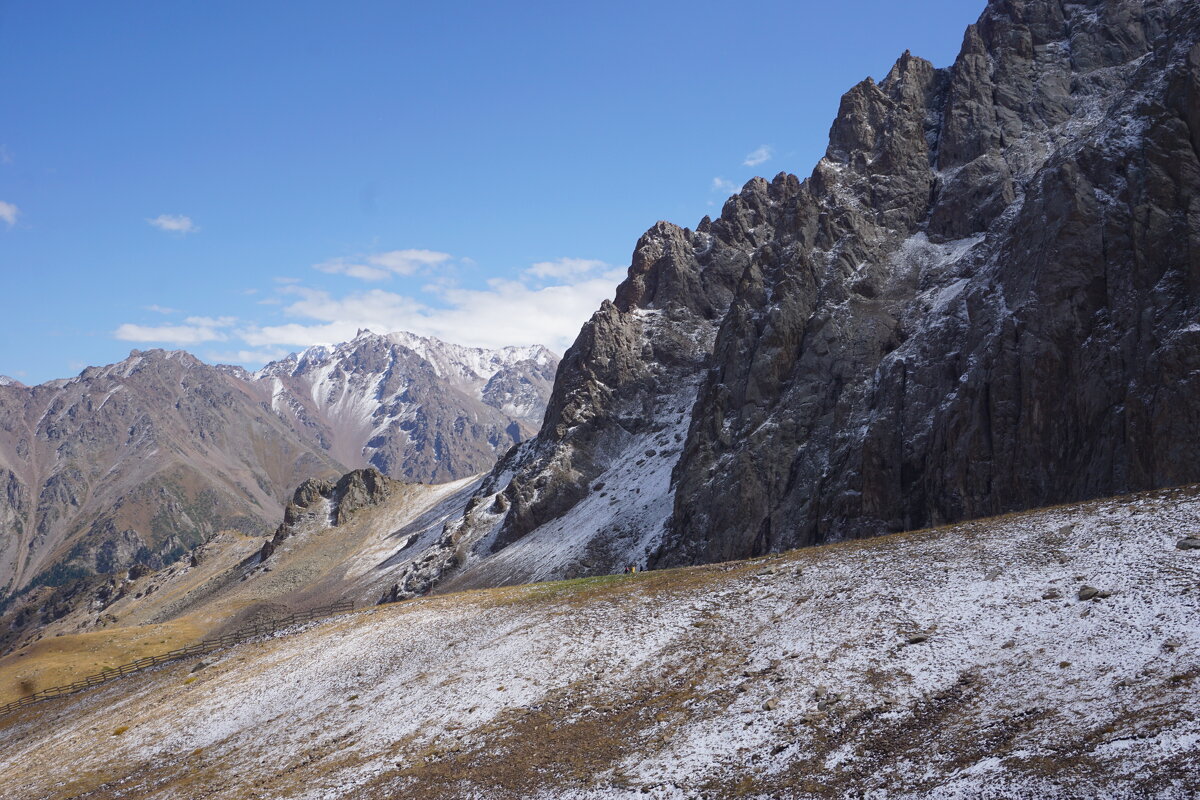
957 663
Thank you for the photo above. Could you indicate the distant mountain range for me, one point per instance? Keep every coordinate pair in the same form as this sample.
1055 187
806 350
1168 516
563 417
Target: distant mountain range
139 461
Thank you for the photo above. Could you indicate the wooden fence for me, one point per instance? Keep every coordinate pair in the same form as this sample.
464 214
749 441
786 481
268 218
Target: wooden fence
198 649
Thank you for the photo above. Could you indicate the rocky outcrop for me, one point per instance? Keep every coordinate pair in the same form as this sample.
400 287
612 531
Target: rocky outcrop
322 503
984 298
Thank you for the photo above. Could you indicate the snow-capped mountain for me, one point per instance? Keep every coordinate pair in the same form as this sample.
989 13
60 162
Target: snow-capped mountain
982 299
415 407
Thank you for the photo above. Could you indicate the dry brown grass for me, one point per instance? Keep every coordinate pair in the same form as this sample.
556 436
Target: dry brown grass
64 659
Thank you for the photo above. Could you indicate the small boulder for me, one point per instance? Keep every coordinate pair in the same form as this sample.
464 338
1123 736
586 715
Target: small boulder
1190 543
918 638
771 704
199 666
1088 592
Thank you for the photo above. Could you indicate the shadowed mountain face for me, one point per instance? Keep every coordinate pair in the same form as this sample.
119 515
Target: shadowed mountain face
985 297
140 461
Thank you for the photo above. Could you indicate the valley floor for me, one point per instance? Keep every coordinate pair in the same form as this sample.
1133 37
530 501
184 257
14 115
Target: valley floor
954 663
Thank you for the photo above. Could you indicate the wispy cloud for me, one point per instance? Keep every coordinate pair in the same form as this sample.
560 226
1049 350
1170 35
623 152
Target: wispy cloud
195 330
174 223
564 268
157 309
545 303
379 266
9 213
251 357
6 156
759 155
722 185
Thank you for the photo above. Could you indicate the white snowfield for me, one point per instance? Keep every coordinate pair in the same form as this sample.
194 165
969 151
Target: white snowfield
955 663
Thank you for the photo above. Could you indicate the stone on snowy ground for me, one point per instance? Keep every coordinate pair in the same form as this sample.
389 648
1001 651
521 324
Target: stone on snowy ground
1088 592
1189 543
771 704
918 638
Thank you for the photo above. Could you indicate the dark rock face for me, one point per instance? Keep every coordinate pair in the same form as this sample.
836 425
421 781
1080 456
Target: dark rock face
984 298
989 302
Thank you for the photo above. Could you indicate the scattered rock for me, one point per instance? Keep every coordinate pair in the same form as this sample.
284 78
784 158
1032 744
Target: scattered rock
1051 594
1088 592
199 666
1190 543
771 704
1171 645
918 638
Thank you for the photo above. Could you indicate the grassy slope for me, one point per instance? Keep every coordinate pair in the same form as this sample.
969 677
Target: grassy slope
787 676
187 603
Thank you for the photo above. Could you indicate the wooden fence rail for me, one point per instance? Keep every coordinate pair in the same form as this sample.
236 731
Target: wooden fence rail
205 646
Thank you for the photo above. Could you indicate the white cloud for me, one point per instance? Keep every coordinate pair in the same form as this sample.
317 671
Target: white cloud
759 155
564 268
252 357
545 304
722 185
174 223
340 266
211 322
9 213
506 312
378 266
6 156
157 309
168 334
194 331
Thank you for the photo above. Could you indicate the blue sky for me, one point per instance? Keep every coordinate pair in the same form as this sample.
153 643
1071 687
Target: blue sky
241 179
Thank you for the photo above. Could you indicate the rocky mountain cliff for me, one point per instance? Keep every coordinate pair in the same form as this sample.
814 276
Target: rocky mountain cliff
984 298
139 461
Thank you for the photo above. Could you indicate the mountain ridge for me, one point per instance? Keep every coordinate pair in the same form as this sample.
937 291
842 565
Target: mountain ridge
141 460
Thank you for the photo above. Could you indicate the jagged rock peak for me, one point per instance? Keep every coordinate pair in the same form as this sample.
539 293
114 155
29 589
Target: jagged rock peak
982 299
330 504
